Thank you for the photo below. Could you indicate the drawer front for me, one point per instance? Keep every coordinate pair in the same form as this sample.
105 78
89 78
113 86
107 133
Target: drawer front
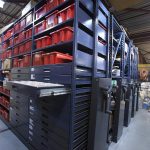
20 70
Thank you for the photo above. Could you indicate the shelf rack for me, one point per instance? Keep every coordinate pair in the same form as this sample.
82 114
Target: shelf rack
87 54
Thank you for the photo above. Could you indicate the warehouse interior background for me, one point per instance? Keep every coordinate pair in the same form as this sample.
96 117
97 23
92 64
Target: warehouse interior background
130 22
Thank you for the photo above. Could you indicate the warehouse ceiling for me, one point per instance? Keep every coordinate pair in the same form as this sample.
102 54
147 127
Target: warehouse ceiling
11 11
134 15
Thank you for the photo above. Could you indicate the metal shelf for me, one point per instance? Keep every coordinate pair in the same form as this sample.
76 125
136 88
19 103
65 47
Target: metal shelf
60 7
59 46
57 27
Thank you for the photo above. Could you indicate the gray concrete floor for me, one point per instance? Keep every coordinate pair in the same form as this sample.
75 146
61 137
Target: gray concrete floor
135 137
8 141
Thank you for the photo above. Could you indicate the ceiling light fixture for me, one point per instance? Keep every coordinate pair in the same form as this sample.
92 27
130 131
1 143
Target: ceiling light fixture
2 3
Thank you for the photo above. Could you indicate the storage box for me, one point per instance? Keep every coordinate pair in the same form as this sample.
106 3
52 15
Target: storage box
21 48
52 4
40 27
28 33
66 34
8 53
28 46
43 42
46 58
62 35
57 58
15 63
41 12
22 24
65 14
11 42
29 18
16 50
26 60
16 40
38 59
20 63
52 19
17 27
21 36
5 46
55 37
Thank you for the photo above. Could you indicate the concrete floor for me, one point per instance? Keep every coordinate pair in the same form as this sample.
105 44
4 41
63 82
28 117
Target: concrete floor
135 137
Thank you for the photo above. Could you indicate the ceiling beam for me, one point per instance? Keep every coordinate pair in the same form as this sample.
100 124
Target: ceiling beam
7 14
138 10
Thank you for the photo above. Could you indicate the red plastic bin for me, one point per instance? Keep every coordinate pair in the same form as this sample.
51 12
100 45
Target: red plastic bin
55 37
16 50
11 42
22 24
16 40
38 59
57 58
62 35
20 63
40 27
15 62
28 46
8 53
21 36
21 49
52 19
66 34
65 14
51 4
5 46
26 60
46 58
28 33
29 18
17 27
43 42
41 11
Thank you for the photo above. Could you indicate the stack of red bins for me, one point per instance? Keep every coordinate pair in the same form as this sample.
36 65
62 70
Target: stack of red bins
62 35
29 18
38 59
56 58
52 19
8 34
41 11
26 60
28 33
43 42
65 14
52 3
40 27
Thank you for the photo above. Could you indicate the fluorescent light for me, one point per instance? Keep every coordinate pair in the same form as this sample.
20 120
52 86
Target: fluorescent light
2 3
